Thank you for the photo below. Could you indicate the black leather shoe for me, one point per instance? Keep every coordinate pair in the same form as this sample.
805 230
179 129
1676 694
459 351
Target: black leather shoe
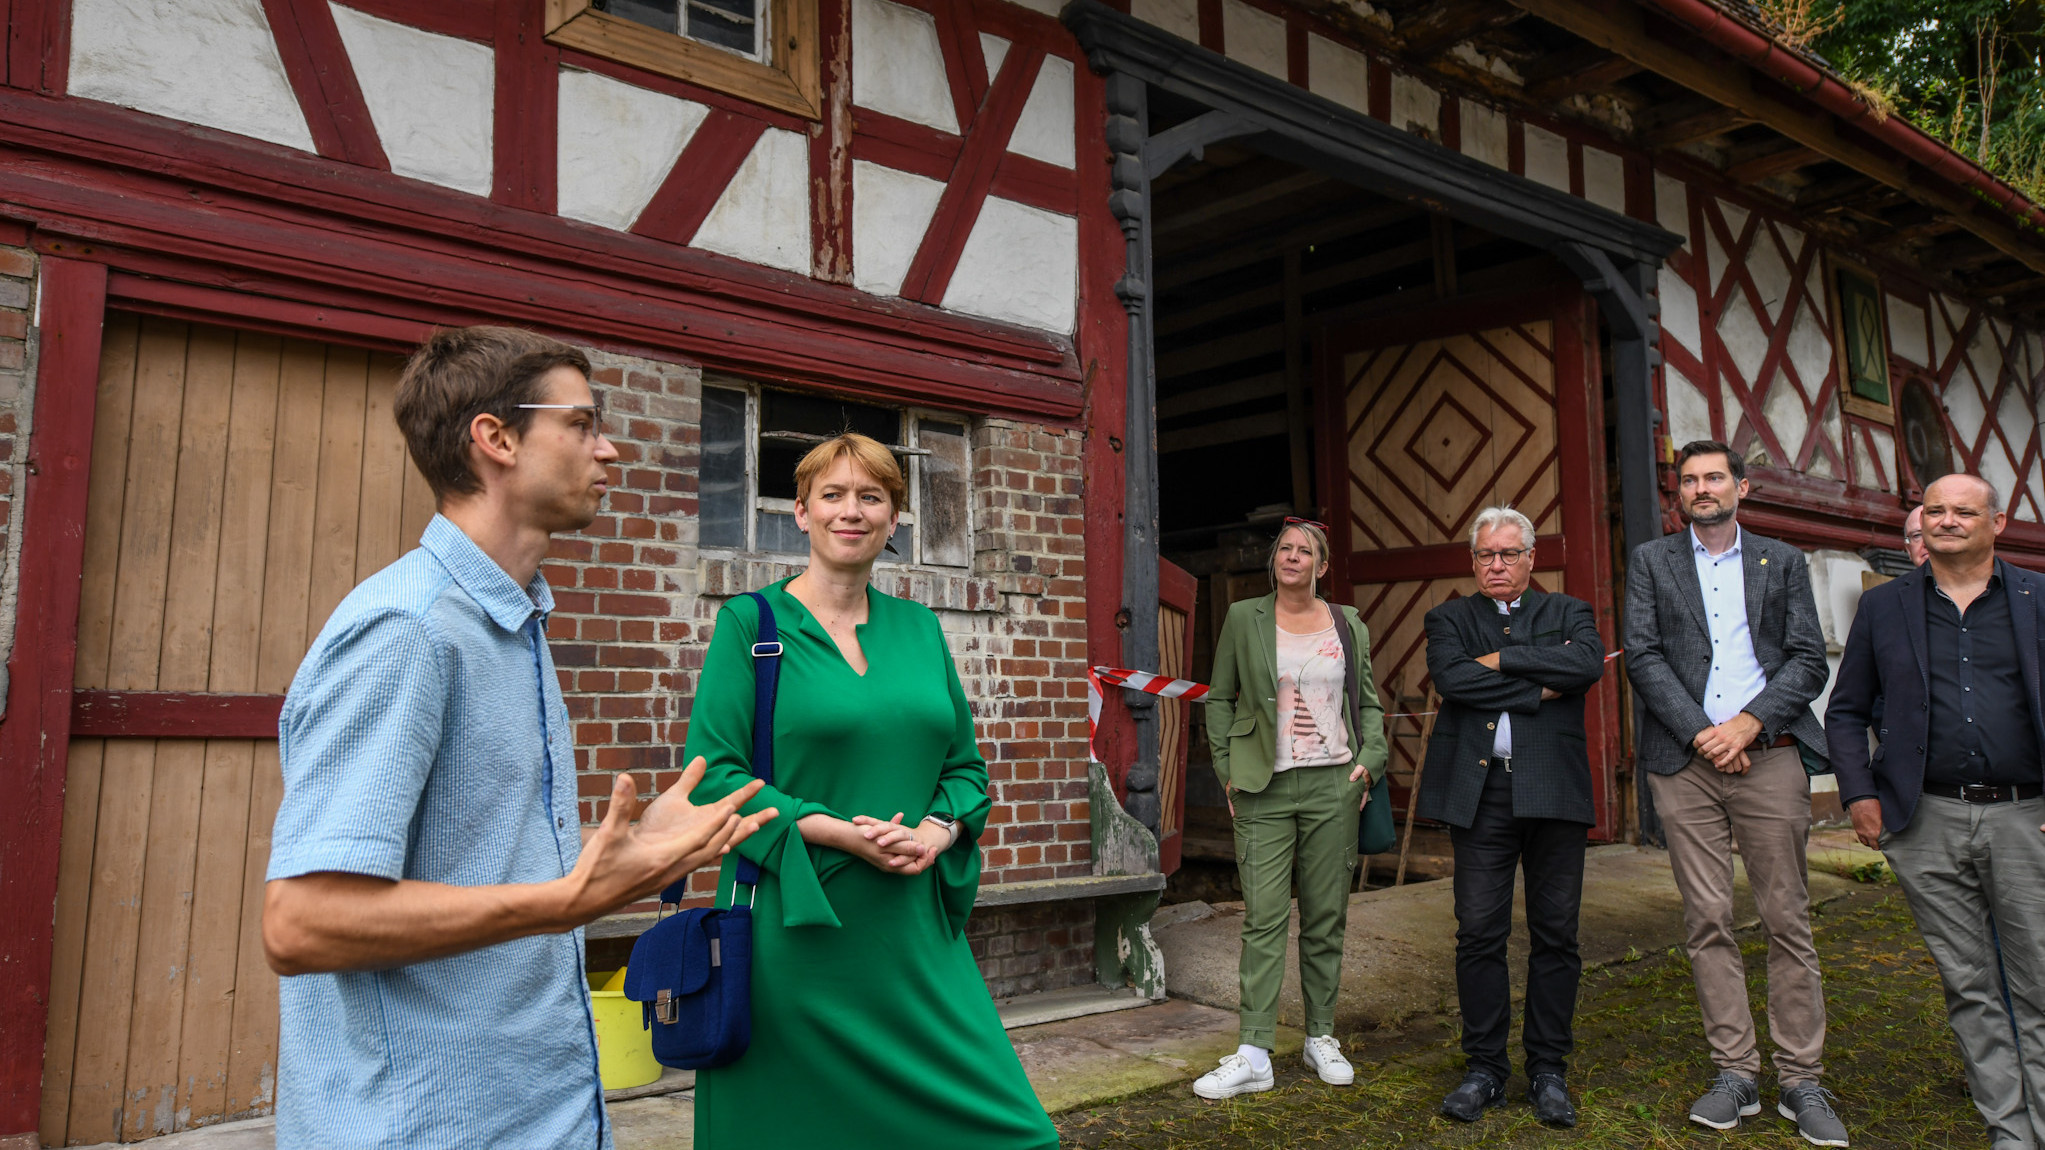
1479 1092
1551 1101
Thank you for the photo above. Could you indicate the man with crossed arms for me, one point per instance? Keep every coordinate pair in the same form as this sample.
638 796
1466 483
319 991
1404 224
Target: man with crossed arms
1723 647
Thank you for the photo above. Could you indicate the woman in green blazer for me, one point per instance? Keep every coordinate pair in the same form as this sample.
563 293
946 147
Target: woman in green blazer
1298 738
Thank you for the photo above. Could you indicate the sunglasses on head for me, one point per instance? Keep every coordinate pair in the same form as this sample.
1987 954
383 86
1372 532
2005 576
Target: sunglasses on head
1294 520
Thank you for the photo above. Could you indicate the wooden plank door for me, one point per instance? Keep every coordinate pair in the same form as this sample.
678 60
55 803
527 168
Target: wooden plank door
241 485
1429 417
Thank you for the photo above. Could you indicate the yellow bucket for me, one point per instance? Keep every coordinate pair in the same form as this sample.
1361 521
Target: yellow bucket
624 1050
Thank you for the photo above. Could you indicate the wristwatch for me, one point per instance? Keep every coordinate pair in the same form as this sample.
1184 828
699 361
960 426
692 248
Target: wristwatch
948 823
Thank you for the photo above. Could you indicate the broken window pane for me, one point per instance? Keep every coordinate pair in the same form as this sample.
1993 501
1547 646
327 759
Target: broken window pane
722 498
726 23
778 533
811 415
652 13
941 504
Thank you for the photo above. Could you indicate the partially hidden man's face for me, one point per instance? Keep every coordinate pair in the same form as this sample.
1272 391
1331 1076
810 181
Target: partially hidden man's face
564 456
1503 562
1709 493
1960 520
1913 536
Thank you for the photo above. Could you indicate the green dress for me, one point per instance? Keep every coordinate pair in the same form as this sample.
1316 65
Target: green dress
871 1024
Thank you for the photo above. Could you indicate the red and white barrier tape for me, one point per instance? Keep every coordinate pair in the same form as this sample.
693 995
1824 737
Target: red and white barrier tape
1097 677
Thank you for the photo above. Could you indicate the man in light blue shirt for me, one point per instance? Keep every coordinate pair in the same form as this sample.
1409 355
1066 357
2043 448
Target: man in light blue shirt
428 880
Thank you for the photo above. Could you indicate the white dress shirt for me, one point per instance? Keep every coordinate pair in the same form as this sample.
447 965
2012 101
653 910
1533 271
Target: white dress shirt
1501 742
1736 675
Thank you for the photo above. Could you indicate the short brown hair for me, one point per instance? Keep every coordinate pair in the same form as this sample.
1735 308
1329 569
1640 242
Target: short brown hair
867 453
460 373
1697 447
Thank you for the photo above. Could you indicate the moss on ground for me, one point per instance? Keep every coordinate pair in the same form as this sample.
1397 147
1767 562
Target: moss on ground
1640 1060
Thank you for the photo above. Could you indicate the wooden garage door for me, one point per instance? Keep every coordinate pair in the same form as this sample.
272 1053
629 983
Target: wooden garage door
241 485
1431 417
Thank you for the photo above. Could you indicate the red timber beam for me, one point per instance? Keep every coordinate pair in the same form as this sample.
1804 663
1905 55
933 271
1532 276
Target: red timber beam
35 733
183 204
323 79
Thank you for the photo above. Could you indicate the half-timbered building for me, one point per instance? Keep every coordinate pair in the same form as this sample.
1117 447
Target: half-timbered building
1125 283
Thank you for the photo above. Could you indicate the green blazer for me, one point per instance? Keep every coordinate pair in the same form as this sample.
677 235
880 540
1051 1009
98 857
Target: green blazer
1242 702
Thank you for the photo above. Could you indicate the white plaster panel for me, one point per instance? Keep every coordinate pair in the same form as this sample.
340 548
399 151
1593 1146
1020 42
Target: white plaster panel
1179 17
1714 258
1044 131
1254 36
1743 336
1784 409
1735 217
1829 432
618 142
993 50
1986 355
1995 468
1604 179
1814 287
430 96
2015 420
897 66
1338 72
1864 468
1840 572
1885 449
763 215
1689 412
1965 405
1020 265
891 210
1734 413
1672 205
1809 349
1547 158
1771 276
1941 331
1679 311
1484 134
210 62
1906 330
1415 106
2036 483
2036 361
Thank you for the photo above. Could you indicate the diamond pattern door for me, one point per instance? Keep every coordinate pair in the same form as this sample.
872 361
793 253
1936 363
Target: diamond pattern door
1429 418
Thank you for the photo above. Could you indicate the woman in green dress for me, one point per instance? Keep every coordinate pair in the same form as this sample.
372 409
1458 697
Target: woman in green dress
871 1024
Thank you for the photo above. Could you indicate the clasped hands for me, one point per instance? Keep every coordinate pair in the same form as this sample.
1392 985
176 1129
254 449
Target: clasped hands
888 845
1726 744
1491 661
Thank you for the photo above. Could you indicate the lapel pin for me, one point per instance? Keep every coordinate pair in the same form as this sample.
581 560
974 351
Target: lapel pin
1764 563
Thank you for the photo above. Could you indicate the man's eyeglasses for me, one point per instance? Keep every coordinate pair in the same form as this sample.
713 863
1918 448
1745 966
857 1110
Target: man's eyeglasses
1913 537
1509 557
594 427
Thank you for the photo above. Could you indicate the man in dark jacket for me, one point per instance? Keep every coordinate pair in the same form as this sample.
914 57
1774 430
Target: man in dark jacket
1724 649
1508 771
1955 793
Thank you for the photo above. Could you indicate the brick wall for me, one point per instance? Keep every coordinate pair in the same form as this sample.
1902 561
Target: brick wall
637 600
1026 950
17 397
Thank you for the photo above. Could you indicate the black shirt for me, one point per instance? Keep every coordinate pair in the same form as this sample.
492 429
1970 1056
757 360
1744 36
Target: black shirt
1980 722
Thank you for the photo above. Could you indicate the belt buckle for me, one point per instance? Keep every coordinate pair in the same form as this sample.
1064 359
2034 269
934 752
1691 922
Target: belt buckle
1980 793
1506 761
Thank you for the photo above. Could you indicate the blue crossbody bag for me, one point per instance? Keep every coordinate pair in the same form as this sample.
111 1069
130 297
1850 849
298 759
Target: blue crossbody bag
693 971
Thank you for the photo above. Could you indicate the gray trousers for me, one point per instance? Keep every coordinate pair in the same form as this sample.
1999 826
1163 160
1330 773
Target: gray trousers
1970 871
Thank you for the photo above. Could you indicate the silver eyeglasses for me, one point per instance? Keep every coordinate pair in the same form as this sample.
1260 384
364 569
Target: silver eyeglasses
596 412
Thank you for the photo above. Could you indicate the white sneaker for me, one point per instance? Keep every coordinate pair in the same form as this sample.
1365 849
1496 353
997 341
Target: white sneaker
1324 1057
1234 1076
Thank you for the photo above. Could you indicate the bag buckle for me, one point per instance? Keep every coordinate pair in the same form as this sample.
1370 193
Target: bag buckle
665 1009
766 650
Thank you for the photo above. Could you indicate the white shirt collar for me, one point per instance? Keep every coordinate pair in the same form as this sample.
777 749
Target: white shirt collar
1505 608
1697 545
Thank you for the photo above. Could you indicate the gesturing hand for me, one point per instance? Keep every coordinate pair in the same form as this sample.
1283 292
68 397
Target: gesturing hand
623 862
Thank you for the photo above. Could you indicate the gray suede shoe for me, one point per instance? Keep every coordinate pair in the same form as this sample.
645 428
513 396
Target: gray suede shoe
1730 1099
1809 1105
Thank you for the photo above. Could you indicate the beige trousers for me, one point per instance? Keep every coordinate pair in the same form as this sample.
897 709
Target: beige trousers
1768 812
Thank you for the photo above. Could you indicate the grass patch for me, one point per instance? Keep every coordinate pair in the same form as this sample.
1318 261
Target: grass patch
1640 1060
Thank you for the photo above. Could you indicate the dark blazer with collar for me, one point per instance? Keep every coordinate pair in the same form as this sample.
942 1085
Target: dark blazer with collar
1553 643
1668 645
1884 663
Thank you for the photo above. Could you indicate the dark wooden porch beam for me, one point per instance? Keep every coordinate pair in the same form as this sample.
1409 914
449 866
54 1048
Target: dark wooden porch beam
1444 24
1771 164
1622 27
1696 126
1584 68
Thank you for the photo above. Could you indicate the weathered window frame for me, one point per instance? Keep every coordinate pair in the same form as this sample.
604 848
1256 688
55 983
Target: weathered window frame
911 516
792 83
1849 403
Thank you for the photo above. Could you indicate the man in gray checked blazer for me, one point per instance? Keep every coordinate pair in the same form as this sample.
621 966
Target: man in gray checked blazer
1724 649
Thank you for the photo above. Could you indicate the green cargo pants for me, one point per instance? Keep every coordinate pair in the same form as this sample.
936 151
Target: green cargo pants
1305 820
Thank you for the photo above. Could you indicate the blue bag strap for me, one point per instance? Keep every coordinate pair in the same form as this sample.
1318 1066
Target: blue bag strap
766 680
